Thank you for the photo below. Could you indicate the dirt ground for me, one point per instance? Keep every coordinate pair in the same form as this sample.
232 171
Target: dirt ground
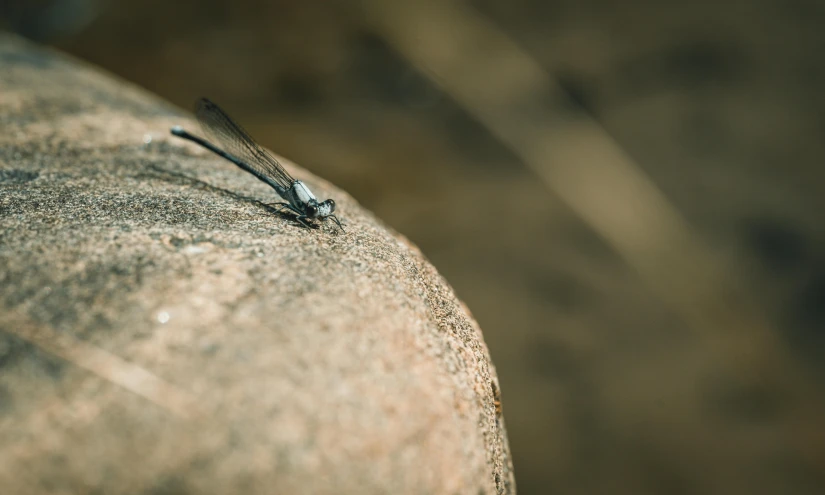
607 386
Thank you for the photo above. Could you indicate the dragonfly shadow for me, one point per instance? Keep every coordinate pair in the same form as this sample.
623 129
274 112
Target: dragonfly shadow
183 179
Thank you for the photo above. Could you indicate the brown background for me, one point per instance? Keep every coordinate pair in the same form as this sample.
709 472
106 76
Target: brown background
606 388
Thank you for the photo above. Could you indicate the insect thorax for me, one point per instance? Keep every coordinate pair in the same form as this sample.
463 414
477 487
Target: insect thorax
302 193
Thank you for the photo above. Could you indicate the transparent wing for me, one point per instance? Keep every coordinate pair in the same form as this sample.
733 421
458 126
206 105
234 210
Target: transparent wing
225 133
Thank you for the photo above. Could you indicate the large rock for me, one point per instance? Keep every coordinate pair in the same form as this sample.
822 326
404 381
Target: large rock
162 331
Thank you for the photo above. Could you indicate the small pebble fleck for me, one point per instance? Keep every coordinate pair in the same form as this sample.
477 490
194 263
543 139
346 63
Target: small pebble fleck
195 249
147 138
163 317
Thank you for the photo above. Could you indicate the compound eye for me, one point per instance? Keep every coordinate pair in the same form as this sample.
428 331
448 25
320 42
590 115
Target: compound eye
331 204
312 210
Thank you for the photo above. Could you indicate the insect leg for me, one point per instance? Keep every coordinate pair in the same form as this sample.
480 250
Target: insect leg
302 220
338 222
278 206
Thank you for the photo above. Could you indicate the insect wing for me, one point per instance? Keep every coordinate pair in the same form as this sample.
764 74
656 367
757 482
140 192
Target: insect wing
226 133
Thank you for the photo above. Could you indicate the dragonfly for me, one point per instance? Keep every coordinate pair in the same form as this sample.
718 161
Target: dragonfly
237 146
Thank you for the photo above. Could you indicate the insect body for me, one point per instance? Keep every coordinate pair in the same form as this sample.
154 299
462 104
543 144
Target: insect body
238 147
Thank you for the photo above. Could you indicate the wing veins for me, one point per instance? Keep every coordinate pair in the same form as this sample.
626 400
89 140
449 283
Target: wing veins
230 136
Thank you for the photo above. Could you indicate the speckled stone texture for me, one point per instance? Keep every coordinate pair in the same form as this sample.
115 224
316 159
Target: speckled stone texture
162 331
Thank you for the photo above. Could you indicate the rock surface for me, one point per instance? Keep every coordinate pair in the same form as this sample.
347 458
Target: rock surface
162 331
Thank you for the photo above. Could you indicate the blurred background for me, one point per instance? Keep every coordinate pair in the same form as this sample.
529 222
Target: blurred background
627 195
